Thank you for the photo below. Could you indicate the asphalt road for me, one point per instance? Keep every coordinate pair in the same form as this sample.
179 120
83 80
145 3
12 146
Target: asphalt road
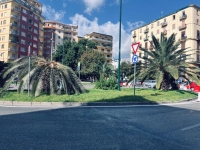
166 127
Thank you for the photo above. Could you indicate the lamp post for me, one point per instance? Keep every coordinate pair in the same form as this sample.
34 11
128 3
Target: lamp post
119 58
63 51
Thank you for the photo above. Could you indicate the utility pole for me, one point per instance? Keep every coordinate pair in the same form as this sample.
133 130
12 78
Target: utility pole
119 58
51 44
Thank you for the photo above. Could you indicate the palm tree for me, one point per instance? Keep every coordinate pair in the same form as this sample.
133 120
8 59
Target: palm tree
45 77
106 70
165 62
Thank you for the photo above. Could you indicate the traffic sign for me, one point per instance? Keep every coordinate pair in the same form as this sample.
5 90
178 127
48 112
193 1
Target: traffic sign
135 59
135 47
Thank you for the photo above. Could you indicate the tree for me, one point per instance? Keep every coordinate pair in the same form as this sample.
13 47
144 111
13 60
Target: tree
2 66
72 52
106 70
45 77
125 68
165 63
92 62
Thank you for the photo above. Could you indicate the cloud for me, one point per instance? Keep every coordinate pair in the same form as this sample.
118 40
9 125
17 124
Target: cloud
92 4
51 14
134 25
86 26
64 4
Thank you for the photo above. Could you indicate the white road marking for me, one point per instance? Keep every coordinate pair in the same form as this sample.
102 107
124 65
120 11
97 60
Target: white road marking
190 127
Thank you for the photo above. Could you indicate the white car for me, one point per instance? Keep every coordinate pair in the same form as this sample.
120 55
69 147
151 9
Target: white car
150 83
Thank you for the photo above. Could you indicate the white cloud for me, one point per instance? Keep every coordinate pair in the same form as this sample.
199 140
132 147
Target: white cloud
51 14
86 26
64 4
134 25
92 4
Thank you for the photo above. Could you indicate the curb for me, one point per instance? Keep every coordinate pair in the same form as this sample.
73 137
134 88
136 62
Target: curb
78 104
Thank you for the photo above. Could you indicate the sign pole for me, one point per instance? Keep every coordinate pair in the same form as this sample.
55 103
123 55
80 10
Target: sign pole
134 77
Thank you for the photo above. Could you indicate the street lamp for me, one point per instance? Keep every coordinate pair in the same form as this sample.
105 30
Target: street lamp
119 58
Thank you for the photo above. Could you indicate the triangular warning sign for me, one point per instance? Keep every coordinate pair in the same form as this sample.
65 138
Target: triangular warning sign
135 47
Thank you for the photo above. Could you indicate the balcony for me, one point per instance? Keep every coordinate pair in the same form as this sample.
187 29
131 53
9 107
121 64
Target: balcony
14 25
15 17
146 39
163 24
183 17
183 38
12 49
182 27
146 30
14 41
15 9
14 33
11 57
134 35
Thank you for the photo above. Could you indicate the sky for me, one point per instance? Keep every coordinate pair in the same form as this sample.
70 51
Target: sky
103 16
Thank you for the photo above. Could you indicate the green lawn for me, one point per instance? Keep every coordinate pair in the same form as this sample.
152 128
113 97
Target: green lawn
96 95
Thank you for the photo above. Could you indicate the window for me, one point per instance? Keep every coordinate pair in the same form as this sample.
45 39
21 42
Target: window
151 25
3 38
157 31
30 28
35 45
35 31
5 6
4 22
35 24
1 14
140 30
197 21
146 45
58 37
30 21
2 46
174 17
22 49
23 26
173 26
35 38
23 34
140 37
24 11
36 17
24 18
4 30
182 45
23 41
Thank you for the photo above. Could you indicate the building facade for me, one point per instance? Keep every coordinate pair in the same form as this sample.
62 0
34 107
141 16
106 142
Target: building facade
20 27
185 23
55 33
104 44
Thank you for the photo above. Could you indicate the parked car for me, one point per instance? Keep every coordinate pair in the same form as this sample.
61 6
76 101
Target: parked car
187 85
149 83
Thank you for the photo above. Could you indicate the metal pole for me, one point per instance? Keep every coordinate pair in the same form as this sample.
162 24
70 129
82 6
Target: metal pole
51 45
119 58
29 76
63 51
134 77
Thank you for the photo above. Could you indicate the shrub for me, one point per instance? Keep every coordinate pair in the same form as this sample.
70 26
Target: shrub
106 84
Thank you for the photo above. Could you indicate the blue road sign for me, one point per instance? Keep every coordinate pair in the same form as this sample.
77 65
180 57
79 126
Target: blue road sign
135 59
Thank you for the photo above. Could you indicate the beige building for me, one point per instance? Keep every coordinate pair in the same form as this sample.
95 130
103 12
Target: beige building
185 23
60 32
104 44
20 27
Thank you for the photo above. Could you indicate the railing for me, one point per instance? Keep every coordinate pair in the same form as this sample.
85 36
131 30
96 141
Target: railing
11 57
12 49
14 33
101 39
14 25
15 16
146 30
146 39
164 24
13 41
15 9
182 27
183 17
183 38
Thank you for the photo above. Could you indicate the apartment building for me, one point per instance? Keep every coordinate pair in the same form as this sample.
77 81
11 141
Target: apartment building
20 26
185 23
104 44
55 33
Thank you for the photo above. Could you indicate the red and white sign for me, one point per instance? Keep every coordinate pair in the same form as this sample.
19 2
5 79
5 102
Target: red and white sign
135 47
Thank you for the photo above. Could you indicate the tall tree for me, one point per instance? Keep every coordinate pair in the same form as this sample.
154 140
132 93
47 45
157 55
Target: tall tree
165 62
92 62
72 52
